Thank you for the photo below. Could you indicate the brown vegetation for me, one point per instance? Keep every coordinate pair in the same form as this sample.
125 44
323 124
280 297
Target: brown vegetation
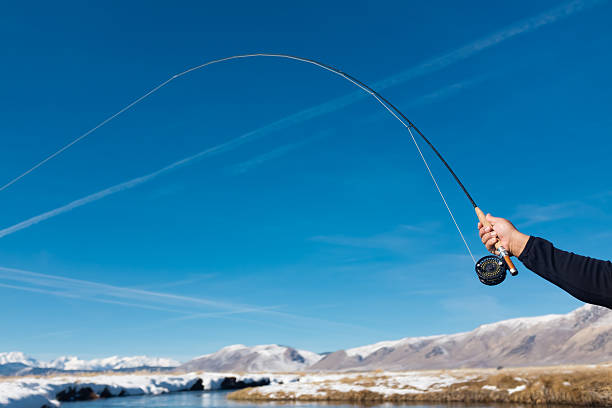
567 385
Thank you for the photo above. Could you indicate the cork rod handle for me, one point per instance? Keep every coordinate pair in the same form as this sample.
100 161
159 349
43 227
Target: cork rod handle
483 220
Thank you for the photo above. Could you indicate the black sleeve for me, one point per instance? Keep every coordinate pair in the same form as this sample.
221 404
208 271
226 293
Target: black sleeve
587 279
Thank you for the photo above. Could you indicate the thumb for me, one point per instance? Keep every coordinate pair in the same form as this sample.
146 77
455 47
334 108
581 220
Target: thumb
494 220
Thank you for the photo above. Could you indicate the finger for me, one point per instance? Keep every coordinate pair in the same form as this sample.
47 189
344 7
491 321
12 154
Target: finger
481 232
488 236
479 225
490 244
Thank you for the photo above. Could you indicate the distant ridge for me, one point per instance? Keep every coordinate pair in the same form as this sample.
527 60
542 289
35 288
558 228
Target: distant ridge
580 337
17 363
583 336
269 357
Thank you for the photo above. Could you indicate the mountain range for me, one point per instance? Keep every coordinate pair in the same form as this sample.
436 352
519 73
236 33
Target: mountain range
17 363
583 336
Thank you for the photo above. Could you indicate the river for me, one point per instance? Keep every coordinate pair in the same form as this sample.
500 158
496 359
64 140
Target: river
217 399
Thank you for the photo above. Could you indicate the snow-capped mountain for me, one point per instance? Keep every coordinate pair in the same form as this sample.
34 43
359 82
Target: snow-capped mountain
582 336
16 357
17 363
71 363
268 357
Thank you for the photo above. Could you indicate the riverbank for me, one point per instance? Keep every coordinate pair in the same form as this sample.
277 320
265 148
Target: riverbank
37 392
566 385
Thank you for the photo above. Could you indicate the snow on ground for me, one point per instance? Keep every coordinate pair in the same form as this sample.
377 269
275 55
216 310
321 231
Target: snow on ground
30 392
385 383
33 392
517 389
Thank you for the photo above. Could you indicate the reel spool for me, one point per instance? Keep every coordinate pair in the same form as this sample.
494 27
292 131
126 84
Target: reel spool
491 270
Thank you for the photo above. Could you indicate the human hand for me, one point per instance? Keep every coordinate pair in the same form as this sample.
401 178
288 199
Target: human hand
503 230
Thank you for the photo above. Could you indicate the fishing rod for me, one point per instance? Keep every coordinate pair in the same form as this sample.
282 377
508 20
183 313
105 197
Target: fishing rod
491 269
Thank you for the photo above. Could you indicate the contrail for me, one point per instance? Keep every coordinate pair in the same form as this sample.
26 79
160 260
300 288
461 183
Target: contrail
524 26
438 63
105 293
232 144
188 306
247 165
226 146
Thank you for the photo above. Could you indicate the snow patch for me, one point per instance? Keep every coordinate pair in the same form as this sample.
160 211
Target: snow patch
384 383
517 389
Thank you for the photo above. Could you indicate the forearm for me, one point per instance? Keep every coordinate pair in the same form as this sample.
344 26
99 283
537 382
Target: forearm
588 279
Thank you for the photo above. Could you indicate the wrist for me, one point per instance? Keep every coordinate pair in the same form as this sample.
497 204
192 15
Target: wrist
518 243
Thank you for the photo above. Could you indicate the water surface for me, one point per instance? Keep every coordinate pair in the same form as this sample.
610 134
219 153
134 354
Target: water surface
217 399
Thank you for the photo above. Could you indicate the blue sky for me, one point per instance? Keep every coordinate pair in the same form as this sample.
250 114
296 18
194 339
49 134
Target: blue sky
323 232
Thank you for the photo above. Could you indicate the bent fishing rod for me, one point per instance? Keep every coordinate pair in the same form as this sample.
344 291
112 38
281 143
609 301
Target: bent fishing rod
491 269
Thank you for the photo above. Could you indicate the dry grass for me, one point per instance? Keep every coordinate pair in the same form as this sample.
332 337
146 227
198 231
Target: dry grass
363 380
564 385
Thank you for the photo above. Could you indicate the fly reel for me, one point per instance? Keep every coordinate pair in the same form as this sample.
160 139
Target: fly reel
491 270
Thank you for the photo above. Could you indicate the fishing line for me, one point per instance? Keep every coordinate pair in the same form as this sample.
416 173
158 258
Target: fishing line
441 195
501 269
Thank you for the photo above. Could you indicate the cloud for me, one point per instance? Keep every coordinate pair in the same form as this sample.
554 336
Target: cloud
61 334
105 293
485 306
524 26
603 196
530 214
187 306
399 240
